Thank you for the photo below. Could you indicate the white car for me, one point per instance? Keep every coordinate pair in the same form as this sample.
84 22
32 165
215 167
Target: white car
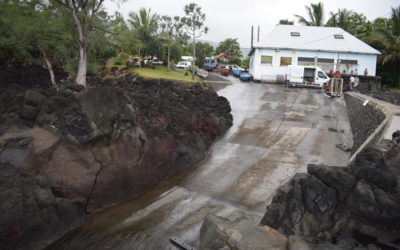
234 67
183 65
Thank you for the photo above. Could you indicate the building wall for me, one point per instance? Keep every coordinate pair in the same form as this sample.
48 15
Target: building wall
271 72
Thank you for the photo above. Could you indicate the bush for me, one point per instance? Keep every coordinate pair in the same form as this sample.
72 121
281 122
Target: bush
72 67
122 58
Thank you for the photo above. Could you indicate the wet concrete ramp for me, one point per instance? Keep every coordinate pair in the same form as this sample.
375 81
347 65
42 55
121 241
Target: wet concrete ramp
276 133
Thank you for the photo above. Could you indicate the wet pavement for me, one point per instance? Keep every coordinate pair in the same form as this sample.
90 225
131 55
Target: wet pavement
275 134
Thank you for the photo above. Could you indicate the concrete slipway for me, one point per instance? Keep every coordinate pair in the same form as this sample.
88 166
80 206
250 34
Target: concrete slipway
276 133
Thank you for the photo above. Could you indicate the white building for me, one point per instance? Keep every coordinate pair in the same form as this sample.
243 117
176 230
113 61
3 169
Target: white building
326 47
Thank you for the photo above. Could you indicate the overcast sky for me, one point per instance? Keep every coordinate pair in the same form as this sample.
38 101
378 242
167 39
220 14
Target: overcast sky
234 18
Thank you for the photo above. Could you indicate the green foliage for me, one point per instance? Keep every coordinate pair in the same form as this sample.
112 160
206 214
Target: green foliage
203 50
315 14
171 34
72 66
286 22
245 63
391 41
164 73
352 22
395 90
230 47
145 25
122 58
374 90
193 22
32 28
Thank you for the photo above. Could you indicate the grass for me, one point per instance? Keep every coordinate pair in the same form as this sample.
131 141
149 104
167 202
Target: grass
395 90
374 90
162 72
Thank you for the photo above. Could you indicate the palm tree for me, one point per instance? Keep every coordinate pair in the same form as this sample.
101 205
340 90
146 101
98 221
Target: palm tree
286 22
315 13
342 19
391 41
145 23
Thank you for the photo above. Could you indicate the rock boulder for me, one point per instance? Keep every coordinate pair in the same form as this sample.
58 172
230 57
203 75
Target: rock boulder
330 200
75 150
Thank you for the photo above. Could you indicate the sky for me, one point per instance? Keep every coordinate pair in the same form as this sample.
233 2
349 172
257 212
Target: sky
234 18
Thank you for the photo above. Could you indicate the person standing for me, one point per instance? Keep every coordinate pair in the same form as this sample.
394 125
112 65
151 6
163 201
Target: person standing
356 82
365 72
351 82
356 72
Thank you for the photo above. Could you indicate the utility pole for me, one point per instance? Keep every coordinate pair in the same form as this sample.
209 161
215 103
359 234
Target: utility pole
251 37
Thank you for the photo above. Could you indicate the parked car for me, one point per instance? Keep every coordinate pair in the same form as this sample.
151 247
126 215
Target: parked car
224 71
245 76
183 65
158 63
236 72
233 67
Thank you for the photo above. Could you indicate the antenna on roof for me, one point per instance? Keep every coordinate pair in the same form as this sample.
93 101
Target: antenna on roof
258 33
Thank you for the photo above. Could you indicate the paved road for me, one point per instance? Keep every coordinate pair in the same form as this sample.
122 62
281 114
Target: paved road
276 133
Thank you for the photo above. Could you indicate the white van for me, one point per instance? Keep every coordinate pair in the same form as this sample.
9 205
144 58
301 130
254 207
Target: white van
312 76
183 65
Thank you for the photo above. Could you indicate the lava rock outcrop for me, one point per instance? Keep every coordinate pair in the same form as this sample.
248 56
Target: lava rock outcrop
327 202
69 151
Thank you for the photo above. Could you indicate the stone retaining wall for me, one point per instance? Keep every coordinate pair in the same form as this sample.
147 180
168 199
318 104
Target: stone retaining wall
367 83
364 120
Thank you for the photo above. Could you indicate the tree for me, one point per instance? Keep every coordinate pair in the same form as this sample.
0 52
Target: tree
126 40
315 14
352 22
82 12
202 51
171 30
194 24
391 42
32 28
341 19
286 22
145 25
231 47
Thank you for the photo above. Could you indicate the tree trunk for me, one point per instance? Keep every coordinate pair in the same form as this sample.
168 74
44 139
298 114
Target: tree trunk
169 54
82 62
194 53
194 49
48 66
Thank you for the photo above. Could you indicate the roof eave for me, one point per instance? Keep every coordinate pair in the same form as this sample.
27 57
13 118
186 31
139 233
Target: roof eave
319 50
251 51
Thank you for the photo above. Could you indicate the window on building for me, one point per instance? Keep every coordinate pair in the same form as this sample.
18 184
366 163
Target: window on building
285 61
338 36
266 60
325 60
348 61
306 59
295 33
